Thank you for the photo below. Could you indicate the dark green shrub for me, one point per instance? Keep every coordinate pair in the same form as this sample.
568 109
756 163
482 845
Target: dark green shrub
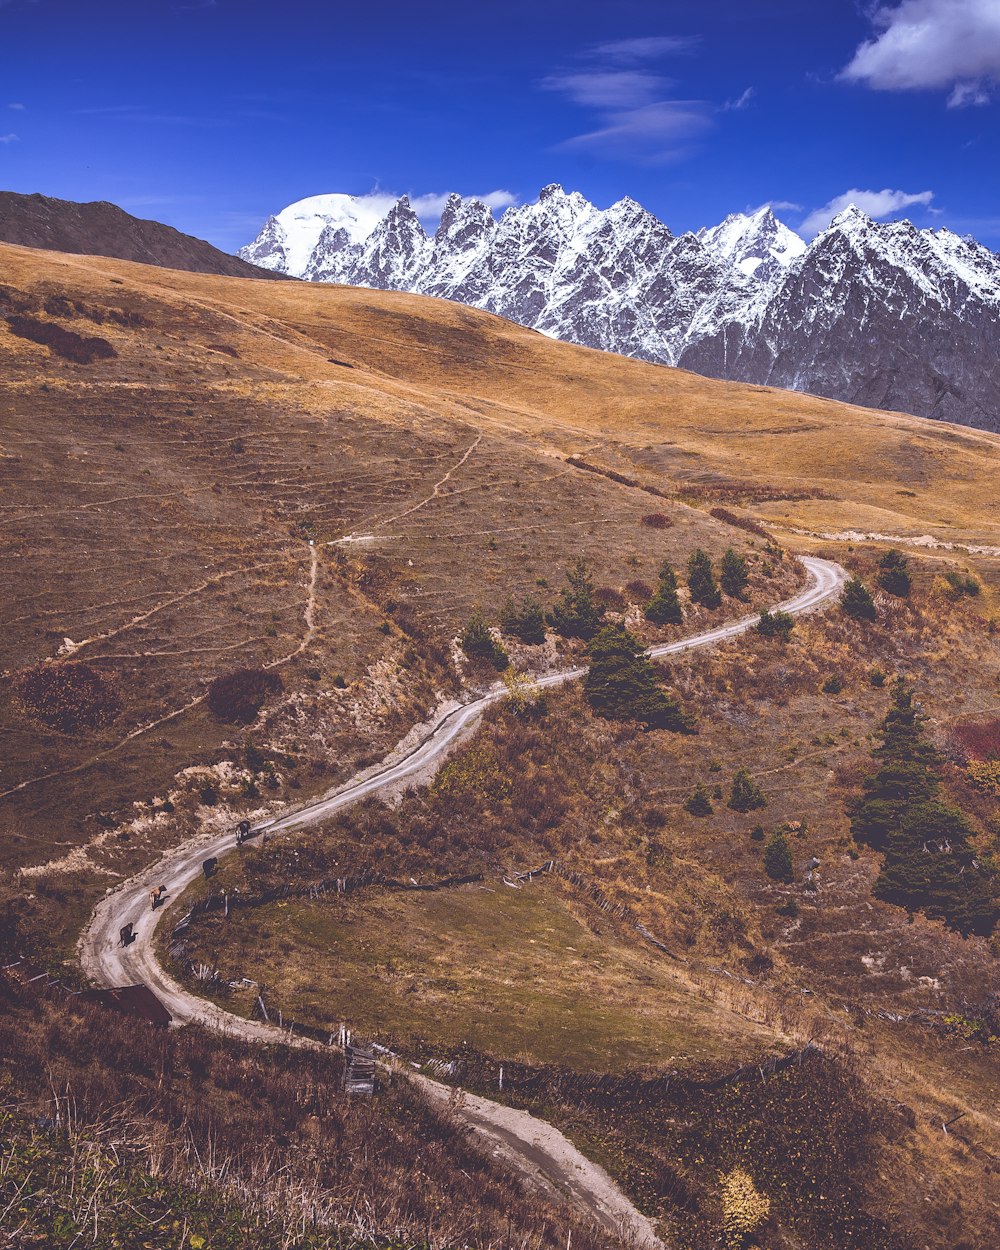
734 574
479 644
664 607
757 833
963 583
856 601
894 575
576 615
776 624
877 677
834 684
524 621
778 859
621 684
698 802
745 795
701 580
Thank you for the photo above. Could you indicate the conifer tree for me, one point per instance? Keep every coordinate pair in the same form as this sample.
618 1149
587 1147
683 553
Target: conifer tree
701 580
734 574
665 608
894 575
576 615
479 644
621 684
929 864
778 859
856 601
745 795
524 621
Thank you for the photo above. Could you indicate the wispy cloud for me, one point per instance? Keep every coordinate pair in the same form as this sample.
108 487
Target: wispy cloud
11 138
645 48
142 113
875 203
18 108
740 102
932 44
636 118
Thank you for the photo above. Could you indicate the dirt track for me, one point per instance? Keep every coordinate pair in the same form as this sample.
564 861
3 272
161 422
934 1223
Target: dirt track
544 1157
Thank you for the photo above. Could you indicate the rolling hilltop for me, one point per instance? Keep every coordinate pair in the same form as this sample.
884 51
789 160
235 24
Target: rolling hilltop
357 496
103 229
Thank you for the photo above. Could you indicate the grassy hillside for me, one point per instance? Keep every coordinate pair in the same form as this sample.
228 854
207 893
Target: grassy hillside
205 475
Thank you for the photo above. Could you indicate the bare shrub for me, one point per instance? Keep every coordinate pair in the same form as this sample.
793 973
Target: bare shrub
657 521
65 343
68 696
238 696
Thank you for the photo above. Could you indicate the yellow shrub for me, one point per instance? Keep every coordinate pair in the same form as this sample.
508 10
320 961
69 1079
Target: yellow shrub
744 1209
985 776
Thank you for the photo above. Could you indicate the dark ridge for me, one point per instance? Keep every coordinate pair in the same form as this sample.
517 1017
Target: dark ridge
103 229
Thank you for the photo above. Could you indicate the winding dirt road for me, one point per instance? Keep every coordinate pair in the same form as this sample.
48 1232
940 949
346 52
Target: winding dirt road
546 1159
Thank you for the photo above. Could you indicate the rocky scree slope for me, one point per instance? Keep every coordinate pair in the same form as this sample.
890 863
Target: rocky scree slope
884 315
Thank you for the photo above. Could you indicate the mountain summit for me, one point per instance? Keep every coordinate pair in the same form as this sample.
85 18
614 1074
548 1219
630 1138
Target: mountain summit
881 314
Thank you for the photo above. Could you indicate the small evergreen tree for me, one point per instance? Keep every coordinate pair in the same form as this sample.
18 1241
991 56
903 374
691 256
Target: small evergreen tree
479 644
665 608
576 615
778 859
857 602
698 802
894 575
621 684
929 864
745 795
776 624
734 574
701 580
524 621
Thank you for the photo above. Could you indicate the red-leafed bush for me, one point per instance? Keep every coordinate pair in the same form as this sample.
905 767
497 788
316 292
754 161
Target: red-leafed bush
639 591
67 695
608 597
979 740
238 696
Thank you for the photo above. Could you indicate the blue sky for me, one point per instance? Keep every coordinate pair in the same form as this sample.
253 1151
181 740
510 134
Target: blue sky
211 114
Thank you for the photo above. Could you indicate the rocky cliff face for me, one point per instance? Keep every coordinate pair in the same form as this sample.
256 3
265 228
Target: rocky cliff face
878 314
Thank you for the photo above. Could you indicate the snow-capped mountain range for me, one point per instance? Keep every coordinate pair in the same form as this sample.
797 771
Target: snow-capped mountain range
879 314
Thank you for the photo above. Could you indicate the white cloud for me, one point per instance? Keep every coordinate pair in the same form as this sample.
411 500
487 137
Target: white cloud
928 44
636 119
648 48
874 203
431 206
653 133
17 107
615 88
11 138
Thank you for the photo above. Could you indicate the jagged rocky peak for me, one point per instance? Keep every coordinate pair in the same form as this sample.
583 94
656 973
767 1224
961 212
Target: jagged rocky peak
464 223
758 244
872 313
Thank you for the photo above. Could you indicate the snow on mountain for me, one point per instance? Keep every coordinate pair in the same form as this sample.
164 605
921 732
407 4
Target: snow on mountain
874 313
758 245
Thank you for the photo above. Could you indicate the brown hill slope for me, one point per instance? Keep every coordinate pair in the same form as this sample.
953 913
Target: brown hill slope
159 502
102 229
